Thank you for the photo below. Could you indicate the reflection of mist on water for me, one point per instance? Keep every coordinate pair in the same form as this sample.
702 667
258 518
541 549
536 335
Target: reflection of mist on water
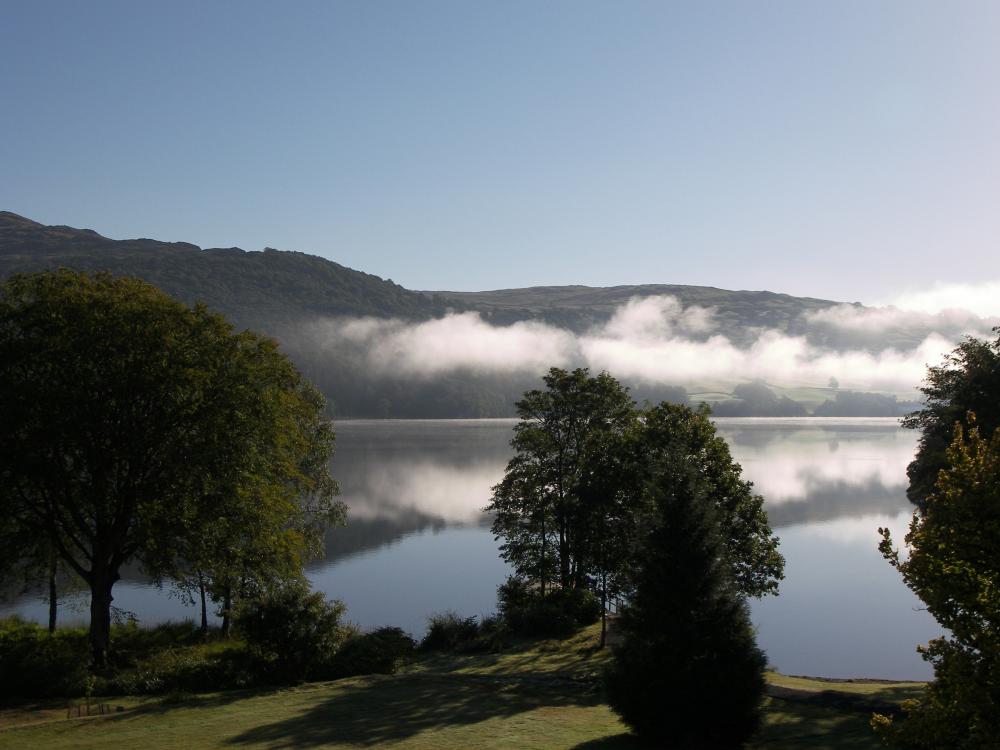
443 491
823 468
863 529
404 477
417 542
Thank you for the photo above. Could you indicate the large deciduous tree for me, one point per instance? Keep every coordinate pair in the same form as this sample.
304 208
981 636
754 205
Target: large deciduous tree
954 567
538 505
575 498
134 426
968 381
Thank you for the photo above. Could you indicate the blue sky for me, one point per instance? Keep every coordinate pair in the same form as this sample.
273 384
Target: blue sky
848 150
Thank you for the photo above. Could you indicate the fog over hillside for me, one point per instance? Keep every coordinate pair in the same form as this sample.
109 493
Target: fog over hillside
653 340
377 349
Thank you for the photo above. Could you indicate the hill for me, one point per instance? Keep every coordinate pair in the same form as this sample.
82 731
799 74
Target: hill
304 301
579 308
264 290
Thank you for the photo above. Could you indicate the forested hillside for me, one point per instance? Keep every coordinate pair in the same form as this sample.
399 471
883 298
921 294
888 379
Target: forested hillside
299 299
578 308
259 289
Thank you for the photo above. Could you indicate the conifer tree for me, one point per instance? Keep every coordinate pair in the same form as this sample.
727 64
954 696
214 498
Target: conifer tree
688 673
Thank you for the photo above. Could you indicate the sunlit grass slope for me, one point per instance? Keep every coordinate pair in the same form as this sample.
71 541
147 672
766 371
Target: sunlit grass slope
537 695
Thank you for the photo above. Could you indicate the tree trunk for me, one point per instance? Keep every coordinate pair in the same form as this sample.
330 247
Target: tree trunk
53 595
564 576
541 572
604 609
227 607
204 606
100 615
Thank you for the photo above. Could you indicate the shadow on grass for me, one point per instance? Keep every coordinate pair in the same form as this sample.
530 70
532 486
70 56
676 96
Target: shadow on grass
201 701
377 711
790 724
623 741
787 726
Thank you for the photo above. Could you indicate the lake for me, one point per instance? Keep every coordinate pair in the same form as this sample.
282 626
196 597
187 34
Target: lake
417 541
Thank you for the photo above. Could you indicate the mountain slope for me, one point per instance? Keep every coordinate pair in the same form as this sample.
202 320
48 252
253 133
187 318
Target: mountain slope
263 290
293 297
581 307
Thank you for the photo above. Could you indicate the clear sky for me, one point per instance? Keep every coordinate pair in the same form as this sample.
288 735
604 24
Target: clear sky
848 150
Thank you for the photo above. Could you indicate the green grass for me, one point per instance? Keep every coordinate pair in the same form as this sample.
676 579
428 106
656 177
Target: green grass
534 695
874 690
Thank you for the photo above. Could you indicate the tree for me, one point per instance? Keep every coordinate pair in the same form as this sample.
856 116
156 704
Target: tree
538 503
751 550
132 423
968 381
244 545
954 567
574 500
688 673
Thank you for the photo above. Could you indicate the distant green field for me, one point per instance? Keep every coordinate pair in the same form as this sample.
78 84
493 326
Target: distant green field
541 695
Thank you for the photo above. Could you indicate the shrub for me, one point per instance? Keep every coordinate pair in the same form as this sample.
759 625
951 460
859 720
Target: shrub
378 652
132 643
292 634
560 612
185 669
37 664
493 633
448 631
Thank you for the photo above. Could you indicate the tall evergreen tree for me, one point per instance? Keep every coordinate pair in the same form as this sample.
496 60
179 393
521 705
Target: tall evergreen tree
688 673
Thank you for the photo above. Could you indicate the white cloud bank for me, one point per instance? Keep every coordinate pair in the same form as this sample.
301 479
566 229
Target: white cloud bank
625 348
656 340
457 342
982 299
875 321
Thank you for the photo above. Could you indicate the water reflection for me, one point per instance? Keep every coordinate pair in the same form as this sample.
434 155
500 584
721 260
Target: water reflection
417 541
803 459
828 486
404 477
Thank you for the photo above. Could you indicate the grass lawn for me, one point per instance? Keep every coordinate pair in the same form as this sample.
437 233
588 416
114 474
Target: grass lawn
537 696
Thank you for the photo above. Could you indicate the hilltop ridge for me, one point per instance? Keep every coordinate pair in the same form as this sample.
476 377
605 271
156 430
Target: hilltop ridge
291 295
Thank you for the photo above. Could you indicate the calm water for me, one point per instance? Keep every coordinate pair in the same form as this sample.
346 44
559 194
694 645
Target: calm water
417 541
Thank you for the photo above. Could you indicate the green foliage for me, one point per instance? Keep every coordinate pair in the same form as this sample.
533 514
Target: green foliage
139 428
449 631
173 656
37 664
190 668
688 673
574 499
293 634
525 612
539 507
968 381
673 433
381 651
954 567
